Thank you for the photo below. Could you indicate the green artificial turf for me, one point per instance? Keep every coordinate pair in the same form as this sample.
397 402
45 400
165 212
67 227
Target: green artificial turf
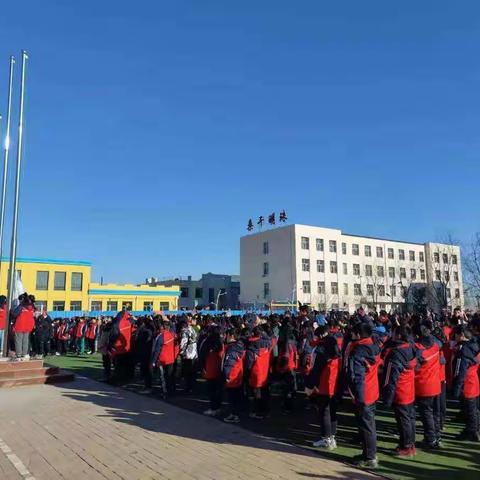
456 461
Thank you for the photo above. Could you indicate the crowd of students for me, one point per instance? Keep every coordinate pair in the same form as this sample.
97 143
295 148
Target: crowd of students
412 362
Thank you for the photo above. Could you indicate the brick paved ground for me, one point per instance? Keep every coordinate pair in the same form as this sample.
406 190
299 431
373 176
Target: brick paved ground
88 430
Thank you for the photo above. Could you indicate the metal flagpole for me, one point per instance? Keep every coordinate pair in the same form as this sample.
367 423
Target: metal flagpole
13 245
6 152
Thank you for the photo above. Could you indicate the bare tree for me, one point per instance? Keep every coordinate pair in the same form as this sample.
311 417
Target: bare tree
471 266
445 266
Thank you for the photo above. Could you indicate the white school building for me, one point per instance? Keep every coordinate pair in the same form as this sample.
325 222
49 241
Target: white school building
329 269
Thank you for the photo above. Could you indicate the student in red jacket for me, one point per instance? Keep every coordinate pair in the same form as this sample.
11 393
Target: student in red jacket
23 325
232 369
287 363
362 358
120 346
428 383
400 360
164 355
91 336
321 384
466 382
79 334
210 357
257 365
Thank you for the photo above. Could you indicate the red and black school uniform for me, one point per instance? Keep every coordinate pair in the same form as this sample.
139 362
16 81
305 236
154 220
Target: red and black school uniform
400 360
232 370
362 359
91 336
428 388
164 355
466 384
210 357
120 346
322 381
79 335
257 365
287 364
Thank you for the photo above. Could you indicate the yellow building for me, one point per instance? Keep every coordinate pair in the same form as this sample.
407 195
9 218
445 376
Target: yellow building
65 285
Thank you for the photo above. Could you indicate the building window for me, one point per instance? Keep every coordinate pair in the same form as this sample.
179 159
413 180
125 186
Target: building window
454 260
379 252
321 287
380 271
112 306
164 306
265 268
381 290
457 293
147 306
77 281
320 266
75 306
438 274
436 257
391 272
59 280
401 254
447 277
355 249
403 291
333 267
58 306
305 243
455 276
403 273
199 292
266 290
41 305
96 306
332 246
42 281
357 289
356 269
265 248
445 258
421 256
345 288
184 292
413 274
306 286
370 290
368 251
393 291
127 306
211 295
319 244
345 269
412 255
368 270
334 288
422 274
390 254
305 265
344 248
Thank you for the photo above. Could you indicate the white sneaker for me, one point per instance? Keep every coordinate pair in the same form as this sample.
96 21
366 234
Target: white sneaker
232 419
210 412
323 443
26 358
38 357
57 354
333 443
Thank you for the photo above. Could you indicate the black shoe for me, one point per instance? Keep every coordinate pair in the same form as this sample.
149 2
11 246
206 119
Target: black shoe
469 436
430 446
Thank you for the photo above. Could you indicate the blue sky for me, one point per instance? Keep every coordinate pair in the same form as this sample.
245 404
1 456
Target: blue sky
156 129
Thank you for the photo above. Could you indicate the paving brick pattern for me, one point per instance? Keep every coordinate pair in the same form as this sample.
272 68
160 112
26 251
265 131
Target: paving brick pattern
88 430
